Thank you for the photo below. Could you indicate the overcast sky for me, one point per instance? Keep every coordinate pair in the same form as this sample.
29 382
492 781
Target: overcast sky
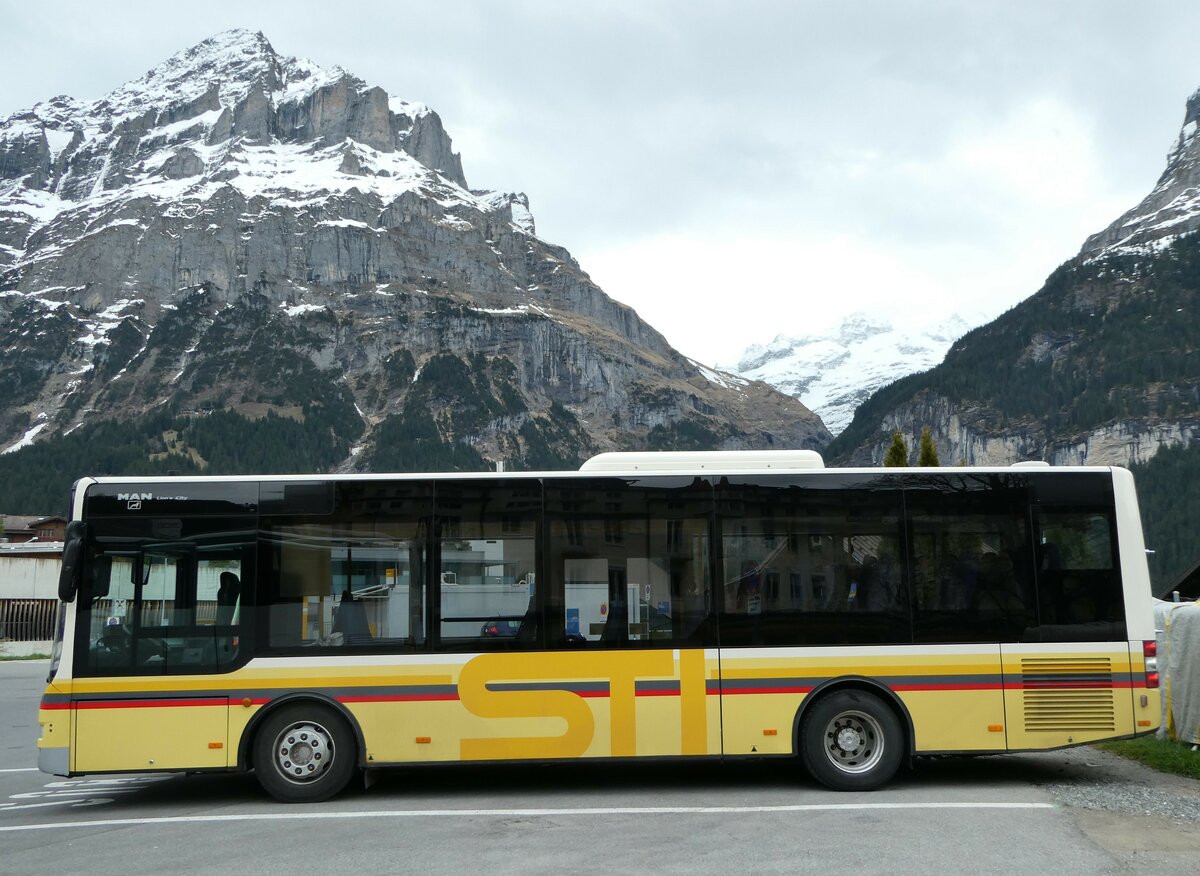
736 170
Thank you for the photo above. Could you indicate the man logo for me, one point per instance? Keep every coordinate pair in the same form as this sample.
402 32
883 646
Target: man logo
133 501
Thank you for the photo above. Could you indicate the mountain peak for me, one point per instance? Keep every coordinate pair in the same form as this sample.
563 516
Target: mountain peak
232 59
186 125
859 326
1171 209
229 47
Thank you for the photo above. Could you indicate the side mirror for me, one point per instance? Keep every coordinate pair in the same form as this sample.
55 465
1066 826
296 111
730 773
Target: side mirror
72 561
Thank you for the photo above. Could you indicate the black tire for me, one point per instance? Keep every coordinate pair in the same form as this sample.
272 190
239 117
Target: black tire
304 753
851 740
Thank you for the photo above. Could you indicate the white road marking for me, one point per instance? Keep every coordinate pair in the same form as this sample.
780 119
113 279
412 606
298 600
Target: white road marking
308 815
74 804
21 770
76 793
71 793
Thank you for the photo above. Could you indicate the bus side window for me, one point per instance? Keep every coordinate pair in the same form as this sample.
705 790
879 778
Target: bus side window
486 550
1079 588
628 564
817 561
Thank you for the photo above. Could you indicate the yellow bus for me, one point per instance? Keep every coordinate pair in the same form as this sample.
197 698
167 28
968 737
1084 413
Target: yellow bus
703 605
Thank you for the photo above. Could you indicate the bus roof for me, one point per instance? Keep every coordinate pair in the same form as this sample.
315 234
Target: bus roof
627 463
704 460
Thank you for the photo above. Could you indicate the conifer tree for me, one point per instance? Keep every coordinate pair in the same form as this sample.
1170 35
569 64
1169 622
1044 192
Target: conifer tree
897 454
928 455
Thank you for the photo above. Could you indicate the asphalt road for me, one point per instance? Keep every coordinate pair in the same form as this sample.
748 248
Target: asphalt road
1079 811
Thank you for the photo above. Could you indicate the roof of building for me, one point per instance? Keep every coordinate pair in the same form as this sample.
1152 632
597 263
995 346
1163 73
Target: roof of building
1187 585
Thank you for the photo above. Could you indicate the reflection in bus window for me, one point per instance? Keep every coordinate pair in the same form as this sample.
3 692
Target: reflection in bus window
487 557
972 576
629 563
1079 588
810 567
339 586
162 611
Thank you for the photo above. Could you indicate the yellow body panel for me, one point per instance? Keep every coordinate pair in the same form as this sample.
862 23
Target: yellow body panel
153 737
595 704
55 727
957 720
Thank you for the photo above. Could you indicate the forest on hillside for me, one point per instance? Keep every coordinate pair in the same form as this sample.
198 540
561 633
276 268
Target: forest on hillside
1169 495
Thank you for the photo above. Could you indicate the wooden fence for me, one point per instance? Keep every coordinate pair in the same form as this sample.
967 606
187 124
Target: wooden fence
27 620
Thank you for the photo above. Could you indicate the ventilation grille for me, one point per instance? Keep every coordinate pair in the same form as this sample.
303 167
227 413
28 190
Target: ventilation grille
1068 694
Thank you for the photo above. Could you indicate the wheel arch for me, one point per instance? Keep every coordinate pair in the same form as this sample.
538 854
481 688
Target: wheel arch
246 743
868 685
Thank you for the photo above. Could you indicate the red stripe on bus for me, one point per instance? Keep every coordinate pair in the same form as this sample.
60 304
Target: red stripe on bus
149 704
935 686
396 698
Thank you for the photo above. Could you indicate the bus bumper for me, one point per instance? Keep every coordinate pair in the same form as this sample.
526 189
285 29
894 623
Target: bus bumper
54 741
55 761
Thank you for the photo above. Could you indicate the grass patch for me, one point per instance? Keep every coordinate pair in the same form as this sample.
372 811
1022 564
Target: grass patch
5 657
1163 755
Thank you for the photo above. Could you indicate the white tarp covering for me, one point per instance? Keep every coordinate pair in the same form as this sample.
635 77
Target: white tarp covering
1178 626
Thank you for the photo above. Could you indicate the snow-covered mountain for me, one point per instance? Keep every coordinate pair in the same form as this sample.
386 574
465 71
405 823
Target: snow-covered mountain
225 118
833 373
246 235
1171 209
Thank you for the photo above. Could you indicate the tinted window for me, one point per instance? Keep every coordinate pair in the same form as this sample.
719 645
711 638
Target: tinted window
1079 583
353 578
296 497
972 558
628 564
486 565
811 561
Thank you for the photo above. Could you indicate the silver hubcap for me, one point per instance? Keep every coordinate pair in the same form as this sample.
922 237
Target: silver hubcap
853 742
303 752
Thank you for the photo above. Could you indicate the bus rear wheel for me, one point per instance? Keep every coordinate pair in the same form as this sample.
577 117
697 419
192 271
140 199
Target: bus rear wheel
304 753
851 740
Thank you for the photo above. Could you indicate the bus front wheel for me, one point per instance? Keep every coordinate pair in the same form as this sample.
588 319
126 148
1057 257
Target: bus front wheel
304 753
851 740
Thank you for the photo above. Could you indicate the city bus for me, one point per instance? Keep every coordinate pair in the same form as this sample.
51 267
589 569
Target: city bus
719 605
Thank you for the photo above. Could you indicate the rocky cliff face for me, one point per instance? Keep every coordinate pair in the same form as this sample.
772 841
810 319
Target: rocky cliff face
237 231
977 435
